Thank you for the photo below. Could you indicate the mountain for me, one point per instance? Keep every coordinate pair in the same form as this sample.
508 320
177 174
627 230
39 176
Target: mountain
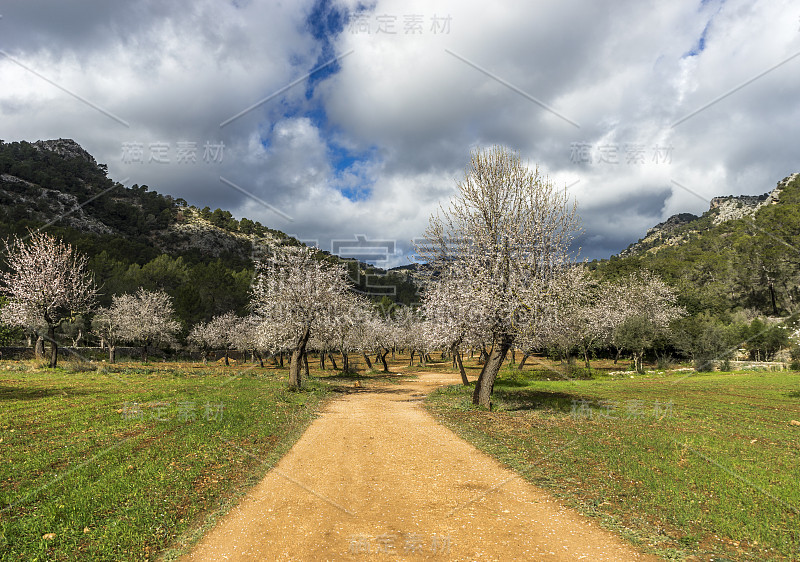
677 228
135 237
741 254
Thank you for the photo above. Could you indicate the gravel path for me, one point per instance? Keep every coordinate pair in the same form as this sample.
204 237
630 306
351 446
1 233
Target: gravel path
376 478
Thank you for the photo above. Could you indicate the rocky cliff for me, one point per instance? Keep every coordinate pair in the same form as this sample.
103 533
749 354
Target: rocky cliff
676 229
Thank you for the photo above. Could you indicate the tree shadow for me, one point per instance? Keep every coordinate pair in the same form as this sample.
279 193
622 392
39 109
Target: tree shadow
25 393
500 383
516 400
355 376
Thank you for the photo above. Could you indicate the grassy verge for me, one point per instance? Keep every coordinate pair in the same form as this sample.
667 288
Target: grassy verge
125 462
703 465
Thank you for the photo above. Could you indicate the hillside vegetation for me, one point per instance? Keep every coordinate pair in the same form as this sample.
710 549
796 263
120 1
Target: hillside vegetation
735 269
136 237
725 261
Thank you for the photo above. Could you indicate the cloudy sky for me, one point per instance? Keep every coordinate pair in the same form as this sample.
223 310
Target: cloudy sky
341 119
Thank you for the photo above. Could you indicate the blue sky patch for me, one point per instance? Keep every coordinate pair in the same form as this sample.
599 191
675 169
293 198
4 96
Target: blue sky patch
325 22
701 43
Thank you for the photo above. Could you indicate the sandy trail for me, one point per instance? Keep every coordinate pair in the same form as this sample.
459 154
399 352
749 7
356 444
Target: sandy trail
376 478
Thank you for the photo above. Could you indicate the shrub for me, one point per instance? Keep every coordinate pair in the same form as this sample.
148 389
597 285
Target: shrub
514 377
703 365
664 362
77 366
580 373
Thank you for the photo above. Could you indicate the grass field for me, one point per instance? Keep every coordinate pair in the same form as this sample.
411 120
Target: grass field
133 461
123 462
706 465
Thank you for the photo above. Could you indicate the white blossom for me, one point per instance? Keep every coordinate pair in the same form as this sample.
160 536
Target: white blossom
46 283
506 235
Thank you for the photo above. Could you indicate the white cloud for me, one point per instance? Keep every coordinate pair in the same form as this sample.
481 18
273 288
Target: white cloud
410 111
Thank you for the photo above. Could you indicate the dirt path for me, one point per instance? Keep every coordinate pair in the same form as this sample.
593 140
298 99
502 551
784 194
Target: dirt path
376 478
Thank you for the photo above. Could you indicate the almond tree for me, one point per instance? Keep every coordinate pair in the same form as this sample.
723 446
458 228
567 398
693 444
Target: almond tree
33 324
575 316
365 327
147 318
385 336
46 283
273 337
644 307
411 334
292 292
245 337
344 325
216 333
324 340
203 337
452 317
107 324
507 229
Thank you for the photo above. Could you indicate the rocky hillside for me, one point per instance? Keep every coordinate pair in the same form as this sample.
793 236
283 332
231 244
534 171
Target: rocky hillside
679 228
58 183
136 237
740 256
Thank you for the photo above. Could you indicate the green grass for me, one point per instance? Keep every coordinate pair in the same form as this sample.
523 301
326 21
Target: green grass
88 471
706 464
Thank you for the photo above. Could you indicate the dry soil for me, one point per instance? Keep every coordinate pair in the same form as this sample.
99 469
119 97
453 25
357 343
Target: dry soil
375 477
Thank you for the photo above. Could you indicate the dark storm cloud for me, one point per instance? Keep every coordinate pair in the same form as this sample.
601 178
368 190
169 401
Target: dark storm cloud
395 119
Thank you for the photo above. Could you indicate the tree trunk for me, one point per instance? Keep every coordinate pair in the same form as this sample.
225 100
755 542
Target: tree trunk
369 363
345 362
513 356
524 359
39 348
566 361
772 299
383 360
51 335
586 356
305 364
280 359
637 361
482 396
411 360
227 363
333 361
295 366
112 353
457 358
144 353
322 360
260 359
483 356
